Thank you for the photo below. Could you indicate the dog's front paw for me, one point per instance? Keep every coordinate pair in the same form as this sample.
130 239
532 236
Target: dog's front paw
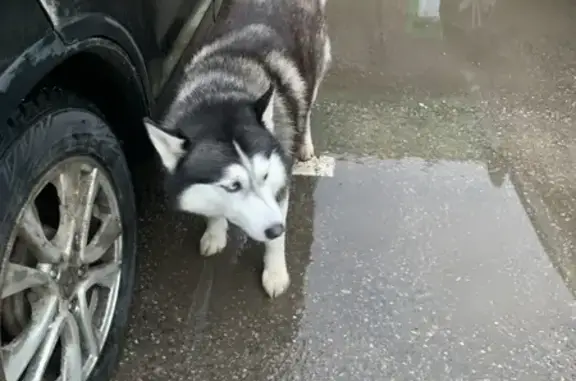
213 241
275 281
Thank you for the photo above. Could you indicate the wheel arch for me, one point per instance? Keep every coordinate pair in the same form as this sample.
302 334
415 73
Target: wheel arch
98 69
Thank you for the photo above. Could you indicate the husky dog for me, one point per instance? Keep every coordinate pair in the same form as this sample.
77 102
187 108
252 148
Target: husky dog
240 117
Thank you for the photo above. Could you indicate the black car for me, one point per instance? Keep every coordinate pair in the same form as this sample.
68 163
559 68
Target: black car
76 79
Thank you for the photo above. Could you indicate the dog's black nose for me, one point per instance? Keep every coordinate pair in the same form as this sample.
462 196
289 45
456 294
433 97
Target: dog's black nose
274 231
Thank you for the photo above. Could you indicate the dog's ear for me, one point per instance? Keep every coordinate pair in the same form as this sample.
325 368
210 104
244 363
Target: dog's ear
170 147
264 108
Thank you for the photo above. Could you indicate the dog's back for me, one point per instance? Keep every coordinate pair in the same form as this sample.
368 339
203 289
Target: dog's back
300 24
257 43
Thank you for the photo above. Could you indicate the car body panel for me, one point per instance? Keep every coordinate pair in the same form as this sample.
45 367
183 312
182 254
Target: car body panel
27 71
159 30
18 36
53 31
24 45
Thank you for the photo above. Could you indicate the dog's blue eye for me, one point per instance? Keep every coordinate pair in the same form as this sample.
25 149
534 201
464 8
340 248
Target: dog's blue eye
234 187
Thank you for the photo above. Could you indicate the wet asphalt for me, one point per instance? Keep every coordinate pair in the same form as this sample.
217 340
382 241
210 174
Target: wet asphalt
442 249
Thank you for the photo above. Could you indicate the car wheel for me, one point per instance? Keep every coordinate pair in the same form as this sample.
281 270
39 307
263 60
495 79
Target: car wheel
68 243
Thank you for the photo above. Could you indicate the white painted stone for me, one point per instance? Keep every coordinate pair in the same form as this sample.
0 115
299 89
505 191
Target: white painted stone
322 166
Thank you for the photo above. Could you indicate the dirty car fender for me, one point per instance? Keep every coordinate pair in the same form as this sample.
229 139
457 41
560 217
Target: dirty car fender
27 71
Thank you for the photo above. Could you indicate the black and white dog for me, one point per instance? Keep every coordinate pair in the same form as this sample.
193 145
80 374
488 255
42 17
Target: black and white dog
240 117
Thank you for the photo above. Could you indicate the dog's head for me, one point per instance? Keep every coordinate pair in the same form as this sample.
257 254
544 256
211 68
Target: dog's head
224 161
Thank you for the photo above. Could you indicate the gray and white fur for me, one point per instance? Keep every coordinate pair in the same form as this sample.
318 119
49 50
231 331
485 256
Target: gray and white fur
240 117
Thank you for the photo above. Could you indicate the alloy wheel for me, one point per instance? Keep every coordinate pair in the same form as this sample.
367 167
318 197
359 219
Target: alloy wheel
61 275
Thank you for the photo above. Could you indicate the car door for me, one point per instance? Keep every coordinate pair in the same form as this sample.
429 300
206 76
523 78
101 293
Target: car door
161 29
174 24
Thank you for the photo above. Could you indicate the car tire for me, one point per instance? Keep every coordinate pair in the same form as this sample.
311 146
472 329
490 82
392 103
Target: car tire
52 127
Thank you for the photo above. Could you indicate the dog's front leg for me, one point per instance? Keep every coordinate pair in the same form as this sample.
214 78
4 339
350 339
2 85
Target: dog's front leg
275 278
215 237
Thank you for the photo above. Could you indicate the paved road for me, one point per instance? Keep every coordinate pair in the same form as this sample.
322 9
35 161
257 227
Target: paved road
442 248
